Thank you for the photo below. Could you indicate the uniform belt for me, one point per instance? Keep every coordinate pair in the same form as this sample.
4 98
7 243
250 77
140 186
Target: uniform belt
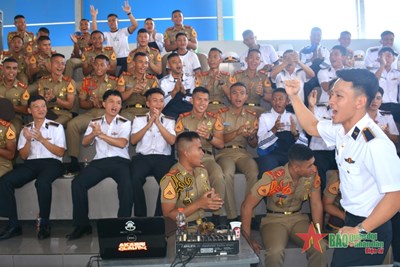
283 212
207 152
135 106
252 104
235 147
57 108
215 102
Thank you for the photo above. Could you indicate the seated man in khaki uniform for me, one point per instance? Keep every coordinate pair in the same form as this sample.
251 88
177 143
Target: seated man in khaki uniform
8 142
186 185
286 188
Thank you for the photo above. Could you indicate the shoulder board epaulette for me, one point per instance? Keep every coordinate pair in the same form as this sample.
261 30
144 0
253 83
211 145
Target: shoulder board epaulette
4 123
140 115
204 73
29 33
20 84
108 48
87 78
211 114
53 52
251 112
152 48
66 78
122 119
375 49
170 28
385 112
324 65
368 134
225 73
149 76
185 114
89 48
169 118
321 105
53 123
29 125
126 73
172 172
6 53
111 77
224 109
98 118
187 27
46 77
133 51
263 72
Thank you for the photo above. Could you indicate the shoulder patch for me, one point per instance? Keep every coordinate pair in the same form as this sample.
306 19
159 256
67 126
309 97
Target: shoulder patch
375 49
385 112
66 78
10 134
96 119
20 84
169 191
89 48
224 109
169 118
251 112
122 119
276 173
149 76
185 114
368 134
172 172
53 123
211 114
111 77
108 48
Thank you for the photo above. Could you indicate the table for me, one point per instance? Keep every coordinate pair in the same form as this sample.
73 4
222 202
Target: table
245 258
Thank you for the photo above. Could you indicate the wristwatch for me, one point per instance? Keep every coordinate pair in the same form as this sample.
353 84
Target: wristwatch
361 229
210 138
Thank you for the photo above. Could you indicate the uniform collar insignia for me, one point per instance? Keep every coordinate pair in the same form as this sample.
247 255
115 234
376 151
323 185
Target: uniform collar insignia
355 133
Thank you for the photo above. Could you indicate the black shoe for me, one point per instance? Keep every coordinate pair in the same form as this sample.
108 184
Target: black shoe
10 232
44 231
79 231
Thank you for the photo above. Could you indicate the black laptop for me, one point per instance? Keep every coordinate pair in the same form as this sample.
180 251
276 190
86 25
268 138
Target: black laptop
132 237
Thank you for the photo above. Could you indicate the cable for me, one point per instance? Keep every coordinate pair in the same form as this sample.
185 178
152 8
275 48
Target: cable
94 259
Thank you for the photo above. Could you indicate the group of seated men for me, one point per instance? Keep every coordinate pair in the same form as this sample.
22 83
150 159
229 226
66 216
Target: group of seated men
212 117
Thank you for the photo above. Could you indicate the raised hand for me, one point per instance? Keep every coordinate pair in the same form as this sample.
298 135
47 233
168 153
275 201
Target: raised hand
93 11
312 99
292 87
126 8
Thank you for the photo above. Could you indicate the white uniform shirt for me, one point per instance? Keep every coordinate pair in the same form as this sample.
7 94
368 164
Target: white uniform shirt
119 41
267 138
159 41
367 169
371 58
190 63
268 56
384 119
298 74
321 113
306 57
167 84
389 82
153 143
53 132
118 128
325 75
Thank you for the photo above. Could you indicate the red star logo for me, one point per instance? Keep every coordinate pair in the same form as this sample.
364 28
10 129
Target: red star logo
311 238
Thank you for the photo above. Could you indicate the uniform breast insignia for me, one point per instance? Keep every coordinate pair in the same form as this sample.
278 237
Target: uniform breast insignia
349 160
368 134
355 133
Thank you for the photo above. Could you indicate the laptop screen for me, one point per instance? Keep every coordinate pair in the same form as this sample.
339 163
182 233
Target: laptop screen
132 237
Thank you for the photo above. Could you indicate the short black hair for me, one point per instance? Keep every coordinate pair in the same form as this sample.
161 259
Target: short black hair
287 52
43 38
57 55
173 54
139 54
255 50
110 92
341 49
17 36
299 152
380 90
238 84
383 34
103 57
35 97
345 33
316 29
97 31
185 137
44 29
19 17
200 89
362 79
10 59
280 90
176 11
142 30
112 15
247 32
148 19
386 49
215 49
84 20
180 34
154 90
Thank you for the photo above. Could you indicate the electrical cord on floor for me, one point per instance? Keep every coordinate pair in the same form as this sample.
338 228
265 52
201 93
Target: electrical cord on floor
94 259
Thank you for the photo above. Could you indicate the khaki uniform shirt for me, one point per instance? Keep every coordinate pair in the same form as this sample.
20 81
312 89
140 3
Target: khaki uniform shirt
232 121
83 41
251 85
37 58
208 81
153 54
26 36
188 122
182 189
19 58
93 87
90 53
282 195
128 81
7 134
171 32
18 94
332 189
60 88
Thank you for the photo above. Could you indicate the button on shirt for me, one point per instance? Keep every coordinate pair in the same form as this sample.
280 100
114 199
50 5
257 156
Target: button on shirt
118 128
153 143
167 84
367 168
50 130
